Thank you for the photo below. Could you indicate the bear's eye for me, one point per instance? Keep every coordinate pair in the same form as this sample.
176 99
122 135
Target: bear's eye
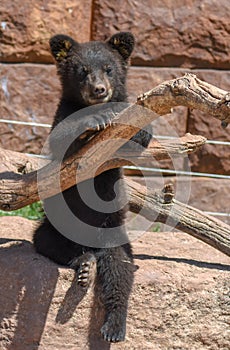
83 71
108 70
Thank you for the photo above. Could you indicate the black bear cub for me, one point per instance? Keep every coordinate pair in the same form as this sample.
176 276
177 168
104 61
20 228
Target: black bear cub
92 73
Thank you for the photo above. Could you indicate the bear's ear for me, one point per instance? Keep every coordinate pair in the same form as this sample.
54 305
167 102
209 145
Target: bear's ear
123 42
60 45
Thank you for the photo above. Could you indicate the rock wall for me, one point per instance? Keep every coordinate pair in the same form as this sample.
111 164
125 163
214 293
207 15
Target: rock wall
182 33
26 27
171 38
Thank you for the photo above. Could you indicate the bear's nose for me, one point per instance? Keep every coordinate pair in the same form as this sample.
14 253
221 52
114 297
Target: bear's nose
100 90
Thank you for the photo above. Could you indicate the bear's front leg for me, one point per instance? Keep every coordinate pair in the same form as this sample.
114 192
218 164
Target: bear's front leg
71 134
94 124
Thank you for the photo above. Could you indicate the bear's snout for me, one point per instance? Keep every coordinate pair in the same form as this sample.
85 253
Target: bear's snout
100 90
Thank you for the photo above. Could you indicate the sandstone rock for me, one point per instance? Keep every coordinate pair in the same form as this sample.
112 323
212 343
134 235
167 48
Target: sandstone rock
28 93
170 33
180 298
25 29
210 158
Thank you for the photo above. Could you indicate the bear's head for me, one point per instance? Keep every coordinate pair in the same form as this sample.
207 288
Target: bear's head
93 72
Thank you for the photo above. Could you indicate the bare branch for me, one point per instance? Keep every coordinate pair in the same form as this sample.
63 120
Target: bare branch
18 185
157 204
162 207
191 92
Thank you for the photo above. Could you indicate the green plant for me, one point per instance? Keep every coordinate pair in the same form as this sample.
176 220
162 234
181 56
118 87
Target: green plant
33 212
156 228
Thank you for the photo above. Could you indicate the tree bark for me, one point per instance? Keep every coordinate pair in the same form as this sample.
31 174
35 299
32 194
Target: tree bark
18 185
191 92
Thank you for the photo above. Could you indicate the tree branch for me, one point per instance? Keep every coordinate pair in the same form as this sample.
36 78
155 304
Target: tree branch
188 91
162 207
19 188
191 92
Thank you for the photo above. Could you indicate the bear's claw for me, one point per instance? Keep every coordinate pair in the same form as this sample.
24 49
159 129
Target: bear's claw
85 267
112 335
86 270
91 130
114 328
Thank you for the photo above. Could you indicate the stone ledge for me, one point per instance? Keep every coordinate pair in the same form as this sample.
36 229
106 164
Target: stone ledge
180 298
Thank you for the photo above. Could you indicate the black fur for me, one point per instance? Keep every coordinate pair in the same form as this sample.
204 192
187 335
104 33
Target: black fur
91 73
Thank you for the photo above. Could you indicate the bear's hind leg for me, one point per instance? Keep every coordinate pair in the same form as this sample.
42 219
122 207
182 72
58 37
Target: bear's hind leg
115 272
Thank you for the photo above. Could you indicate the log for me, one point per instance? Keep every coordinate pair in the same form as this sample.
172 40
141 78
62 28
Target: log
161 206
187 91
18 187
20 190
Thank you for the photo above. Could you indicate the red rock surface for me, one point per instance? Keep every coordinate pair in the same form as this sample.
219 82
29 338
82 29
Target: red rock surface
180 298
25 28
28 93
169 33
179 33
210 158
